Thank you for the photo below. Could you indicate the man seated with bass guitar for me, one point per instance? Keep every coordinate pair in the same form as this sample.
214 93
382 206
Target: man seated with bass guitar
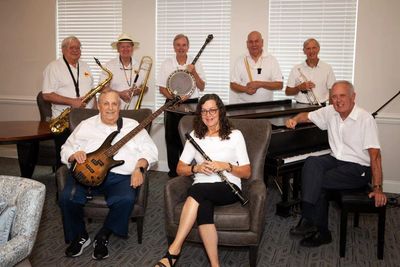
120 185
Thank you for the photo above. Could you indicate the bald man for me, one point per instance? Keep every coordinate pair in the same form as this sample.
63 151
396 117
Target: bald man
256 74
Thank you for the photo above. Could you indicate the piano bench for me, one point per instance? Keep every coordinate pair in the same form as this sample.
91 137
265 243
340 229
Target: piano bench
360 203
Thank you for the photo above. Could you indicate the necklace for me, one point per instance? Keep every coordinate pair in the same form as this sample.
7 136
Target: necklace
129 82
212 133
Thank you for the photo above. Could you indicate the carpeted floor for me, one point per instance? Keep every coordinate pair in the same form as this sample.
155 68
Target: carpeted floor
276 249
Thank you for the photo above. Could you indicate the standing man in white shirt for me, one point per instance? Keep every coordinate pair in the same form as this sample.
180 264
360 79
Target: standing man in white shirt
256 74
181 61
312 74
355 161
124 69
121 184
65 82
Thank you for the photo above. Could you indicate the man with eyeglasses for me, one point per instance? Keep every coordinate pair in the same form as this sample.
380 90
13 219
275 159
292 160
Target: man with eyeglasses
180 61
65 82
256 74
124 69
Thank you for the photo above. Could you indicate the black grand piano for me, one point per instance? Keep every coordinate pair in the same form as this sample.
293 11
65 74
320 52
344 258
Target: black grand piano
288 147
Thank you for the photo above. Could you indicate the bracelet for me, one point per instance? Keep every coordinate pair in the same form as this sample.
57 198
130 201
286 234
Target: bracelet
192 169
230 167
377 186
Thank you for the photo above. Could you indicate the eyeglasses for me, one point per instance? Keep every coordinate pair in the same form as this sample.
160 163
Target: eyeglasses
211 111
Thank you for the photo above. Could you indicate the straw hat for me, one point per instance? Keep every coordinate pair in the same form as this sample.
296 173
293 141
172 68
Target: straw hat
124 38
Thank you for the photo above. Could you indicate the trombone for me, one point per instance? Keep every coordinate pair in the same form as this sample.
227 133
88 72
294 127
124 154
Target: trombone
312 99
145 65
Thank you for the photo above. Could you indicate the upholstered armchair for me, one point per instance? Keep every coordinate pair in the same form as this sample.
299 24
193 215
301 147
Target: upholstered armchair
28 196
96 208
47 148
239 226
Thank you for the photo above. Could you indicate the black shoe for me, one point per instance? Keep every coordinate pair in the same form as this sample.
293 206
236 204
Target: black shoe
100 249
77 246
317 239
303 228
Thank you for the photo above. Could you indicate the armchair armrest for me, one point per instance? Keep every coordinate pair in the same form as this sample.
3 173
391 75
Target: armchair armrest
61 177
257 194
143 190
175 191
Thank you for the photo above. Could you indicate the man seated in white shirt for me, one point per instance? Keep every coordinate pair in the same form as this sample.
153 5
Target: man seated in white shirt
355 161
121 184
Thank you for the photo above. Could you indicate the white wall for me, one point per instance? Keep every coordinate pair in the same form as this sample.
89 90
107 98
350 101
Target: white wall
28 35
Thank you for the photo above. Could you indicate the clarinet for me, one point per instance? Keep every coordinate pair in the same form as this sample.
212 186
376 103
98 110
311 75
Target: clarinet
235 191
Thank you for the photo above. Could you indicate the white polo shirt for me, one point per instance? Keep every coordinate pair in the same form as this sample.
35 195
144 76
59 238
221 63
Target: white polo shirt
321 75
122 78
170 65
232 150
265 69
349 139
57 79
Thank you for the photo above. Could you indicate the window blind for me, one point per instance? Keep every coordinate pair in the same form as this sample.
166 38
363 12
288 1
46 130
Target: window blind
196 19
331 22
97 23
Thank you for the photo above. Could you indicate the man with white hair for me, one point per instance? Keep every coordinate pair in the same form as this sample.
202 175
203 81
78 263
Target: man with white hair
65 82
312 74
121 184
355 161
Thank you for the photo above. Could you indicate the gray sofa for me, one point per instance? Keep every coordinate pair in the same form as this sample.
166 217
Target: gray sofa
28 196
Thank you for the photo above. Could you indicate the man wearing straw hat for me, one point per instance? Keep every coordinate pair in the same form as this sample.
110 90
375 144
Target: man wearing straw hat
124 69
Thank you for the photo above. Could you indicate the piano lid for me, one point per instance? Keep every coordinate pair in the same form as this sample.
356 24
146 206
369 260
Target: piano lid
268 109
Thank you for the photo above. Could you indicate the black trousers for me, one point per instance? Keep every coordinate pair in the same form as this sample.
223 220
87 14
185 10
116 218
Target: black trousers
209 195
172 140
59 140
322 173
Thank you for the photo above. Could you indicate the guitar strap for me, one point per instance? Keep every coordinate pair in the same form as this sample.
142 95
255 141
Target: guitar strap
119 124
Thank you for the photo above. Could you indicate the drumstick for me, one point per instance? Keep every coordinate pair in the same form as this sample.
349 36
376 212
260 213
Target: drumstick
246 63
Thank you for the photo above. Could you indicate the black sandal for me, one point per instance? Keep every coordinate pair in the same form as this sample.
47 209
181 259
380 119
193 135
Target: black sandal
170 258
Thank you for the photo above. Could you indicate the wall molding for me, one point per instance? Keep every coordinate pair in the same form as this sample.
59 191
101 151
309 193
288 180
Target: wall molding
17 100
388 118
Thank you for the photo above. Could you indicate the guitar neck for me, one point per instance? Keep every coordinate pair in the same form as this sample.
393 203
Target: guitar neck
117 146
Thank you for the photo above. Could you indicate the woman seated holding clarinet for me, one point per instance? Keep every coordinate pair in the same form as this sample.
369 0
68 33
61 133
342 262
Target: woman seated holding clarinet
221 162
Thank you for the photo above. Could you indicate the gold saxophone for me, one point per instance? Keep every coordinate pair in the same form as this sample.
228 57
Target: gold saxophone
61 122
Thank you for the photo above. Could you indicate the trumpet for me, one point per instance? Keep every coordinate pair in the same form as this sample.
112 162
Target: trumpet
145 64
61 122
312 99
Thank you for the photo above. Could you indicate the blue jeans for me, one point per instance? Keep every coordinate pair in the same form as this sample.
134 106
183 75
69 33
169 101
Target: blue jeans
120 198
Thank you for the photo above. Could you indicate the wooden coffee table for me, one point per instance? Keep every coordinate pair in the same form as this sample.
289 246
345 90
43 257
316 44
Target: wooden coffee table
26 135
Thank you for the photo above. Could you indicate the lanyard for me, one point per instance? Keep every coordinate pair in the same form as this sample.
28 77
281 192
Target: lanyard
126 77
76 82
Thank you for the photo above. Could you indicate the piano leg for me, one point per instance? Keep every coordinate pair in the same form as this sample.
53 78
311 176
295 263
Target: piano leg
285 207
